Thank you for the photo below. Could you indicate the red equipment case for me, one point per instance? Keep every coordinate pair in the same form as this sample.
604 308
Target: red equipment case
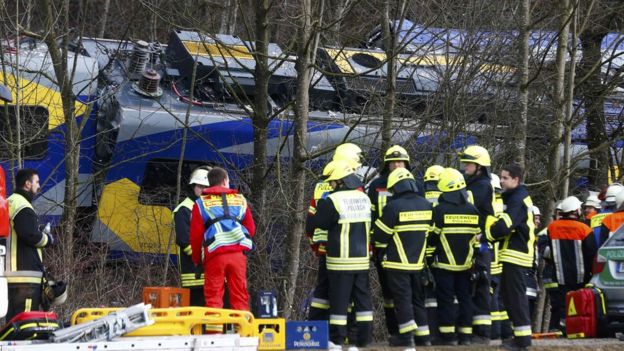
585 310
35 325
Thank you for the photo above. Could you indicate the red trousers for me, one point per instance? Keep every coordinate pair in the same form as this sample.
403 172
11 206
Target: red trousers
233 267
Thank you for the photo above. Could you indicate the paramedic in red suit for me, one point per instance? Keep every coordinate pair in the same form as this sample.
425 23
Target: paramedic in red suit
222 227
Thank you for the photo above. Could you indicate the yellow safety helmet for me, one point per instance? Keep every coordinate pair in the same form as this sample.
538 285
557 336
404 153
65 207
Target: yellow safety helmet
396 153
433 173
451 180
476 154
397 175
349 152
341 170
329 168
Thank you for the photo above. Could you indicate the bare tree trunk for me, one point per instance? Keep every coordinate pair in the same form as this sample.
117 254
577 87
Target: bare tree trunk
554 161
592 91
569 108
260 118
305 49
104 17
390 47
58 55
523 88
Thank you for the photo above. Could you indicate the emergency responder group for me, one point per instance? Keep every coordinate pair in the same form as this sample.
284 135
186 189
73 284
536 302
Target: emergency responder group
444 250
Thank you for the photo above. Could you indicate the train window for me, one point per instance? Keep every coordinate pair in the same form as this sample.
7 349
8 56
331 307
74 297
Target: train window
159 181
33 132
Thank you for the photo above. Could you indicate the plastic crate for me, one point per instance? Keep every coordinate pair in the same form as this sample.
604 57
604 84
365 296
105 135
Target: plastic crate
271 333
164 297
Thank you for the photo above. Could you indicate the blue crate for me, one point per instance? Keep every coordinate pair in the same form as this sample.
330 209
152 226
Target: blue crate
310 335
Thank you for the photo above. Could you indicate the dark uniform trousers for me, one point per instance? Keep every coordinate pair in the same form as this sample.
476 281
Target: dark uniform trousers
319 307
481 319
23 297
388 300
451 285
409 300
431 305
501 326
513 290
344 287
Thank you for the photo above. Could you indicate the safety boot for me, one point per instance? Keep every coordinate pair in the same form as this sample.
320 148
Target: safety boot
406 339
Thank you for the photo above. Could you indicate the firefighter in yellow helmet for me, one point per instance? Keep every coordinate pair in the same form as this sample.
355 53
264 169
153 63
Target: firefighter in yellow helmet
476 164
395 157
432 193
319 306
401 237
454 230
182 221
345 214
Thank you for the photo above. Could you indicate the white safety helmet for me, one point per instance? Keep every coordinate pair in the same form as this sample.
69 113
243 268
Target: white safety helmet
570 204
592 200
536 211
612 190
495 181
619 199
199 177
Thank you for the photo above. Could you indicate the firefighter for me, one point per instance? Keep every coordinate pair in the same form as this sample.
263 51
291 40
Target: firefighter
515 227
24 246
400 236
531 274
431 178
222 228
608 206
395 157
476 162
591 207
182 222
454 229
612 221
432 194
319 306
571 250
501 327
345 214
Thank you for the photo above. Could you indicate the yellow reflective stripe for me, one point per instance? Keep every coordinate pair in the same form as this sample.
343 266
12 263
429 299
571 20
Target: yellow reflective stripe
312 210
403 266
460 230
188 250
407 327
524 330
383 227
422 331
411 228
465 330
447 250
31 280
551 285
446 329
454 268
27 305
344 239
400 250
364 316
337 319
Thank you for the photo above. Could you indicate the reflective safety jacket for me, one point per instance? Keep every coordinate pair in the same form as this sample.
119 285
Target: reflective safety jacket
221 221
596 222
432 193
483 195
346 215
609 225
402 231
379 196
182 222
515 227
317 236
572 248
24 257
453 232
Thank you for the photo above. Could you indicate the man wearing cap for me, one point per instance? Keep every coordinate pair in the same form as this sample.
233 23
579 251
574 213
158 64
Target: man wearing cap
346 215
